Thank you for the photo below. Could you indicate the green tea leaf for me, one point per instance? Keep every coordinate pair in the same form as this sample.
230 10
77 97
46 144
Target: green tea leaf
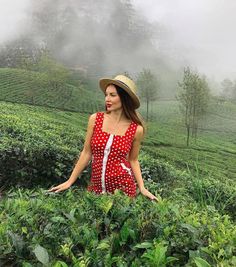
41 254
60 264
103 245
201 262
144 245
26 264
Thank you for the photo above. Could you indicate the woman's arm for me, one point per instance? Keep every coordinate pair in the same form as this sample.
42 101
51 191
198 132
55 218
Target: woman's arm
83 160
134 163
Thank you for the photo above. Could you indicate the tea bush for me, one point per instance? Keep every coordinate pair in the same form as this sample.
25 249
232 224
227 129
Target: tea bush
36 149
188 227
35 88
208 191
79 228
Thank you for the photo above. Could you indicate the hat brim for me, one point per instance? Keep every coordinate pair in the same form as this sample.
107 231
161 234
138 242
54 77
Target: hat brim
103 83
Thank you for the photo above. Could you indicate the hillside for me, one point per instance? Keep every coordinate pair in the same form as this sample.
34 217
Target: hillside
213 154
193 223
30 87
211 159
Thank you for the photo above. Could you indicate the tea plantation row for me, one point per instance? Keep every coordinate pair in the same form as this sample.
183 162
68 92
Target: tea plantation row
31 87
188 227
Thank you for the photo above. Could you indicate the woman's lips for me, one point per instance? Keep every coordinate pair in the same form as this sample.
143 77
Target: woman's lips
108 105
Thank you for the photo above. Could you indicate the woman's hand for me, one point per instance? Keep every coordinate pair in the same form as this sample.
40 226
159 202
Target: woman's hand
60 187
146 193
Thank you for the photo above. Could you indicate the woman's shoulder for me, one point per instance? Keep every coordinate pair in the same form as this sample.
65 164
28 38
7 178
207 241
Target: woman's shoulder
139 129
98 113
139 132
92 117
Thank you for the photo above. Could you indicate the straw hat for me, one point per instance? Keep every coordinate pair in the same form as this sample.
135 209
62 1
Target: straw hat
125 83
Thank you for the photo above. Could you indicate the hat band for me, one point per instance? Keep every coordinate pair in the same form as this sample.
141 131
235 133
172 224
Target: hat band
124 84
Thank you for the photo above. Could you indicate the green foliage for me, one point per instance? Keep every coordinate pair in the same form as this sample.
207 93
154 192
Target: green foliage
194 98
157 256
41 254
78 228
56 73
37 146
19 53
212 192
148 88
201 262
205 171
228 89
49 89
73 229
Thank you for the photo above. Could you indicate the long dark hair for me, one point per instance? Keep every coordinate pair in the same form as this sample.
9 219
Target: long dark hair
128 107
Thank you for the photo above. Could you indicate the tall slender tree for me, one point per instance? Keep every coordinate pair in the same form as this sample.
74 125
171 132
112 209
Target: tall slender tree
228 89
148 87
193 98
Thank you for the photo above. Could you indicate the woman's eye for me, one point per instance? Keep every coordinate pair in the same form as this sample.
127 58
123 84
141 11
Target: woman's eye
110 95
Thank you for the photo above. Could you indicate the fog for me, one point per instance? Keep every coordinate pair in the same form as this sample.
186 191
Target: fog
13 14
202 32
199 33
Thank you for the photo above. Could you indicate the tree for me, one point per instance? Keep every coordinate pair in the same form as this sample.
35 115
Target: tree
234 91
193 97
57 74
74 33
202 94
20 53
148 87
227 88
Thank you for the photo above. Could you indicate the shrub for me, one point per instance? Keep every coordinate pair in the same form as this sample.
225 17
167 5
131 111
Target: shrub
76 227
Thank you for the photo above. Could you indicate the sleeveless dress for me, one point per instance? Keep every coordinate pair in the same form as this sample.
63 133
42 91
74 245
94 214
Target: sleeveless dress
110 167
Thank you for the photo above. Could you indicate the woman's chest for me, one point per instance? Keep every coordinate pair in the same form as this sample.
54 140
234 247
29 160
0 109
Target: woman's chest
101 142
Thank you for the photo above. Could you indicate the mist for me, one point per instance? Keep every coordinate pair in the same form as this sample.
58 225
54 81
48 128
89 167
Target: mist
199 32
13 18
174 34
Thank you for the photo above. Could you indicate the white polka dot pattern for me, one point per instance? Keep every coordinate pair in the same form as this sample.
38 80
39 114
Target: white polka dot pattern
111 171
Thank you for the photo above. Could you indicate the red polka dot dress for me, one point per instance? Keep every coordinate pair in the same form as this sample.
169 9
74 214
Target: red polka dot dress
110 168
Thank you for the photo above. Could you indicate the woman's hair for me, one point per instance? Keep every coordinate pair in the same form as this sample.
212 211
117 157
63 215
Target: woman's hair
128 107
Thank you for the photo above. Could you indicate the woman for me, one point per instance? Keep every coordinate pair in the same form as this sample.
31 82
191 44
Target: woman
112 142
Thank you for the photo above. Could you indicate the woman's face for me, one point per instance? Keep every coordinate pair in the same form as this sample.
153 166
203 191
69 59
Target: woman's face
112 99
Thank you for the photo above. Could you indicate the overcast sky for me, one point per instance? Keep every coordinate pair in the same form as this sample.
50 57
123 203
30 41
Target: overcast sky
201 32
12 15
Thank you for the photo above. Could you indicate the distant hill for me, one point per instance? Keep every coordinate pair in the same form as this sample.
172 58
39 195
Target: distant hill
30 87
